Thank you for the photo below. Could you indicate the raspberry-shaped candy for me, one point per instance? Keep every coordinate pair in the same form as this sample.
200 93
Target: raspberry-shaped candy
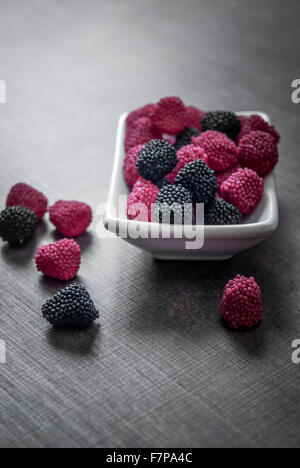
72 307
186 155
24 195
241 306
129 167
256 122
140 132
60 260
200 180
224 175
185 138
222 121
17 225
221 151
258 151
193 117
156 159
141 200
145 111
169 115
71 218
244 189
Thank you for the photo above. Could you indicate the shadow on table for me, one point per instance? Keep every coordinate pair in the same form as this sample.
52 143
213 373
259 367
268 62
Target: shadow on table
79 341
21 256
52 286
187 295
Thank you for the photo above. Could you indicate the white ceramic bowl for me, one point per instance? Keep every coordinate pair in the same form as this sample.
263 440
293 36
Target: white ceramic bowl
220 242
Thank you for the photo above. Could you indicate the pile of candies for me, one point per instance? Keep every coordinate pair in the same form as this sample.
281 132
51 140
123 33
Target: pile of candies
25 207
178 155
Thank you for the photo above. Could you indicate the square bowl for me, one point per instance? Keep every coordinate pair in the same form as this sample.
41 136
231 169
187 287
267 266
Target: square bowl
171 242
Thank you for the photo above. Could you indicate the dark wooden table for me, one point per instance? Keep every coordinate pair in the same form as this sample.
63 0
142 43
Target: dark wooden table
160 370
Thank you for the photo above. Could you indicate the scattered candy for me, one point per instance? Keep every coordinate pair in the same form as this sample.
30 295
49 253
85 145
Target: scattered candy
241 306
28 197
71 218
60 260
71 307
17 225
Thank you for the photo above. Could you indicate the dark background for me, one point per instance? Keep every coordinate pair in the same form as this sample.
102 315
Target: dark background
161 370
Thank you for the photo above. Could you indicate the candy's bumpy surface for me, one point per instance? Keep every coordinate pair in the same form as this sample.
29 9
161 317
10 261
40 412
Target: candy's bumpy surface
141 200
254 123
222 212
185 155
28 197
71 307
17 225
174 205
221 151
185 138
244 189
241 306
200 180
140 132
59 260
258 151
71 218
156 159
222 121
130 172
170 115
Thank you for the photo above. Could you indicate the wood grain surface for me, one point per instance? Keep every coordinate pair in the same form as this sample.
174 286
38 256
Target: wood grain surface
160 369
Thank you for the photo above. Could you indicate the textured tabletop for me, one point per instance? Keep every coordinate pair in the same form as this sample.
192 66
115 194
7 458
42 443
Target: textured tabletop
160 369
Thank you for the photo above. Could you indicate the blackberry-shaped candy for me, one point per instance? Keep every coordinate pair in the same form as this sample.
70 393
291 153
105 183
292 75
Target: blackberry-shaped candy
200 180
174 205
71 307
156 159
222 121
185 138
221 212
17 225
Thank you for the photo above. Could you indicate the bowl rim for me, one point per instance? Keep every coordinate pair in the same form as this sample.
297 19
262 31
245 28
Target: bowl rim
247 230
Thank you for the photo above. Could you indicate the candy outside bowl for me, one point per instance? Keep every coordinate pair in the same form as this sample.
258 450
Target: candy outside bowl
167 242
